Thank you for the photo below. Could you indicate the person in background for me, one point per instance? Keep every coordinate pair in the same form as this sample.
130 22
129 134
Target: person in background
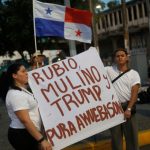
37 60
24 132
126 87
59 56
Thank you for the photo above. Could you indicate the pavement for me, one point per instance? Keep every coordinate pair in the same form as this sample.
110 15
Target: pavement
100 141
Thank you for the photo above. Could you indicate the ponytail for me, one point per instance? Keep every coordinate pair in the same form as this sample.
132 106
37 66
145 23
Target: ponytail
4 85
7 81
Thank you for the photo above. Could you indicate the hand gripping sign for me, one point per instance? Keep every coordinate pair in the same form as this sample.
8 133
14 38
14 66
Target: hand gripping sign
76 99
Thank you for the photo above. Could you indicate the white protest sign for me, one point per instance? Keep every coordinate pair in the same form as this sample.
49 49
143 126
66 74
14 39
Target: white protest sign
76 98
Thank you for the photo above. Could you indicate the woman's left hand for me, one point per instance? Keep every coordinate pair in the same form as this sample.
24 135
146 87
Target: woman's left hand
45 145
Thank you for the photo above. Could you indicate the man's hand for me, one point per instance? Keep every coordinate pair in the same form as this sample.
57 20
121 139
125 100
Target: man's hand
127 114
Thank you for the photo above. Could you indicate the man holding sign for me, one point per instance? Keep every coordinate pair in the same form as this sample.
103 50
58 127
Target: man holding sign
126 83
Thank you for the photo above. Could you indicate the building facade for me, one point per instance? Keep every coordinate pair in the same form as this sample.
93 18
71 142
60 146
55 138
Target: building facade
111 34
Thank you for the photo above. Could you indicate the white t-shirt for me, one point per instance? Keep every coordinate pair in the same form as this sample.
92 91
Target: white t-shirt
124 84
20 100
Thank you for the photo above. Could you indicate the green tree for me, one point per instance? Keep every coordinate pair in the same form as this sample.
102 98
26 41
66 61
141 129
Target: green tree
2 23
16 25
113 4
18 29
84 4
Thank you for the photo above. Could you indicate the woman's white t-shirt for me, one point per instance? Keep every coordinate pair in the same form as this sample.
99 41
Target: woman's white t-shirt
22 100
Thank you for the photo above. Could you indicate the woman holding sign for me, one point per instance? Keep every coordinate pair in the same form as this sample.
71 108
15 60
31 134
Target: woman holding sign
24 132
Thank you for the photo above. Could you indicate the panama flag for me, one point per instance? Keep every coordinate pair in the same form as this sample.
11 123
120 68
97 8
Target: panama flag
62 21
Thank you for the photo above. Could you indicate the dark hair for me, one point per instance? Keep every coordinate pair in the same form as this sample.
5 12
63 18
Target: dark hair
120 49
6 79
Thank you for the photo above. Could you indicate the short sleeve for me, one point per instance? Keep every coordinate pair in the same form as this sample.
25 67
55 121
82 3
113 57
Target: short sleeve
135 78
18 101
107 68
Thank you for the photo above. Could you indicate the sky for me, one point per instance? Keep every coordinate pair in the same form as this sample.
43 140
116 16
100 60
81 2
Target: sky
106 1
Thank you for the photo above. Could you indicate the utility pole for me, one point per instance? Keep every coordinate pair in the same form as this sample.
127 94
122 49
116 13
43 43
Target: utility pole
95 37
72 45
125 25
148 12
148 37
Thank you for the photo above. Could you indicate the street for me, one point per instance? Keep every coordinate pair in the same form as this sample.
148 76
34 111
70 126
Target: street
143 118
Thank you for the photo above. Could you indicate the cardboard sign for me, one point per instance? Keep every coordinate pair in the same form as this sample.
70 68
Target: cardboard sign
76 98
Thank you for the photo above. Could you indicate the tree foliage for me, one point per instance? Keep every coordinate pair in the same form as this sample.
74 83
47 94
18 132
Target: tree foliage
84 4
16 25
113 4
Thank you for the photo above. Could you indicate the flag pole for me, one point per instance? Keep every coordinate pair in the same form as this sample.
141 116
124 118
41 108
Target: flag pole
72 45
95 37
35 41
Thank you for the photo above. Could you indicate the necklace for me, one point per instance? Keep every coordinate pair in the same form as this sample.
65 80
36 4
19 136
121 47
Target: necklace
26 91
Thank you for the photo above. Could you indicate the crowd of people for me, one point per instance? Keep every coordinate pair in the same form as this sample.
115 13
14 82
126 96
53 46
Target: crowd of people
26 129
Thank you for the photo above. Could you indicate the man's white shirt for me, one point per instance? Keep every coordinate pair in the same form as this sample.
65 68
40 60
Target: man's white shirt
124 84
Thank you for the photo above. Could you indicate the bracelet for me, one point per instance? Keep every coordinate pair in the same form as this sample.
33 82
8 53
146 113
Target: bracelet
129 109
41 139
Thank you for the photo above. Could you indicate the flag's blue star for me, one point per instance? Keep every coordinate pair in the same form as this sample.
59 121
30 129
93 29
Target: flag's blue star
48 11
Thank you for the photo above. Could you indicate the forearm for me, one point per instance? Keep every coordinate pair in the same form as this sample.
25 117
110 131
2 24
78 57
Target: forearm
132 101
134 95
44 144
23 116
32 130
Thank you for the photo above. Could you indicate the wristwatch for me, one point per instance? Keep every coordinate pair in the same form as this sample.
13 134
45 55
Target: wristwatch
129 109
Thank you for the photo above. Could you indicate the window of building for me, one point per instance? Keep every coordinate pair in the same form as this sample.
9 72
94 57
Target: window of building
103 23
140 10
135 12
106 19
120 16
111 20
98 25
115 17
145 9
129 13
